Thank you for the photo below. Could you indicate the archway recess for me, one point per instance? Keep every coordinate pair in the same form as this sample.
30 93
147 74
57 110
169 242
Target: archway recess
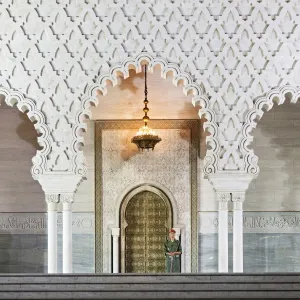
25 105
156 201
189 87
263 104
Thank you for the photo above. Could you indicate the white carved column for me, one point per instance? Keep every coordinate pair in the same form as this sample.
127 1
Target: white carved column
227 183
238 199
67 199
65 185
115 232
223 199
52 200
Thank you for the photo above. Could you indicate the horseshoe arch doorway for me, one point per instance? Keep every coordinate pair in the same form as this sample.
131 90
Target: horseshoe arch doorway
145 219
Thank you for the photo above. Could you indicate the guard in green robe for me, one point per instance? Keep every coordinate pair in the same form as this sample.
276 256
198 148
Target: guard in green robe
172 252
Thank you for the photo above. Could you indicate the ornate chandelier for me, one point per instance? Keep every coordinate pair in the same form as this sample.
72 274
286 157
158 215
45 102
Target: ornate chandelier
146 138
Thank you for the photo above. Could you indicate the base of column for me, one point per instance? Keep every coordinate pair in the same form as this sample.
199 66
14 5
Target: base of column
67 238
223 242
52 233
238 241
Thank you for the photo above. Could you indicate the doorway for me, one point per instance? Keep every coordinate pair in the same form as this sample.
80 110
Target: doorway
145 220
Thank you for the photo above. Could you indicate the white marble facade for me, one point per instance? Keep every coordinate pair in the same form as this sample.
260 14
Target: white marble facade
231 59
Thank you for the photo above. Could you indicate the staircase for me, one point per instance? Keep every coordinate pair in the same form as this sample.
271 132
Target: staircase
136 286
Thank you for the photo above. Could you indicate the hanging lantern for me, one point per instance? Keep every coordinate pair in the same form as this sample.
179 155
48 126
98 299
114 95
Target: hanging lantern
146 138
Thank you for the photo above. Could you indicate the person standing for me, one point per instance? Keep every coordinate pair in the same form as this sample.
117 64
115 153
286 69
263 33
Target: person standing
173 252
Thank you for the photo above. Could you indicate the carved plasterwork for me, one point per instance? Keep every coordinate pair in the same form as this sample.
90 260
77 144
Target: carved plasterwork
223 198
51 198
280 95
173 165
238 197
60 183
254 222
28 106
189 86
67 198
238 50
36 223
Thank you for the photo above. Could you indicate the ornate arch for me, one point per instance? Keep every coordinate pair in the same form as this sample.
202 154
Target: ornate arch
262 105
199 97
151 186
25 105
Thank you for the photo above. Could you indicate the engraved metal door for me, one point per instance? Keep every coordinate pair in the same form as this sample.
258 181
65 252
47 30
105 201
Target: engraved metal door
147 218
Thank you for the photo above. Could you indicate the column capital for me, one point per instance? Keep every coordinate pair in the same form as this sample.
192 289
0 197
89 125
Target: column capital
115 232
67 197
51 198
223 197
238 199
238 196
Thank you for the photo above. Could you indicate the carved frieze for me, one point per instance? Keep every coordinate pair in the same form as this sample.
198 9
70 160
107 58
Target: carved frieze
36 223
266 222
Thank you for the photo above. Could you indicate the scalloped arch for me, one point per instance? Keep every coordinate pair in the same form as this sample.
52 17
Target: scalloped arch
261 105
25 105
199 97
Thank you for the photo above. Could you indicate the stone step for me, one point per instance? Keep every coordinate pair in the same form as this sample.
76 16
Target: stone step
140 278
150 286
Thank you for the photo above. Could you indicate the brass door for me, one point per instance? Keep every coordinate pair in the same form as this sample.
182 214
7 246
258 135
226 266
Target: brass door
148 218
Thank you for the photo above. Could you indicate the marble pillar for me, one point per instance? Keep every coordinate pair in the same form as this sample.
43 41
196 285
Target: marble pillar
223 198
67 200
52 200
238 199
115 232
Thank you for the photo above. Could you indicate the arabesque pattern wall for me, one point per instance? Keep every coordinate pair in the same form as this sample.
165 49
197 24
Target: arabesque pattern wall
236 58
236 50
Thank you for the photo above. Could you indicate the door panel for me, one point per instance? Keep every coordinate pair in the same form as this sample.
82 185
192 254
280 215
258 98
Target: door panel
147 217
